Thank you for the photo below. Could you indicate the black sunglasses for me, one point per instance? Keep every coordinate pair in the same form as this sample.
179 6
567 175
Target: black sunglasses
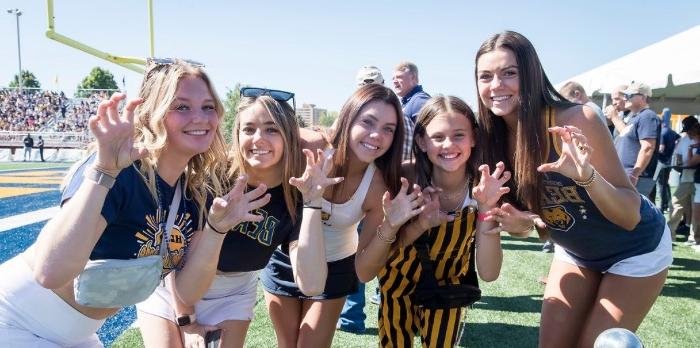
281 96
630 96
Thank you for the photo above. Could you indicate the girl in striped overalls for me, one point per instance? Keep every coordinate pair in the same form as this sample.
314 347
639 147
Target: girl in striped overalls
444 141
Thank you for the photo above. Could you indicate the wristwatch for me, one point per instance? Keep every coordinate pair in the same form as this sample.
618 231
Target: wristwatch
99 177
186 320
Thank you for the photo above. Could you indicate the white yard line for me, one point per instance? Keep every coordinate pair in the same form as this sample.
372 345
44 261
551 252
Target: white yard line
29 218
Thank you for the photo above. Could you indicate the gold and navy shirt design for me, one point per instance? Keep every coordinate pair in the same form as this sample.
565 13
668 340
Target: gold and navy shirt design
560 196
151 237
134 219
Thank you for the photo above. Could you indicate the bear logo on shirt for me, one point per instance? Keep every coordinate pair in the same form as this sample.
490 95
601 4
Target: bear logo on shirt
556 217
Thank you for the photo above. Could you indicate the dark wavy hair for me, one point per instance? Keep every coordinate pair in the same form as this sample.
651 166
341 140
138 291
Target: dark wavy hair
536 94
390 162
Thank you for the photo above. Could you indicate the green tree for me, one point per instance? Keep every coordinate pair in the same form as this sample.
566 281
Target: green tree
233 97
97 79
28 80
327 118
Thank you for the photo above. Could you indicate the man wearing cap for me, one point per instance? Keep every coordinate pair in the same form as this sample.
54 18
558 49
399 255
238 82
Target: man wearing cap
682 199
638 142
405 83
369 74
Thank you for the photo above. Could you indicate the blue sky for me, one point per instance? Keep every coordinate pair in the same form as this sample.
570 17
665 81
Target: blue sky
314 48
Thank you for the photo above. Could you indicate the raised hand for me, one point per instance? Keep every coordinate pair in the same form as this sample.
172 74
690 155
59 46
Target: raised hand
315 178
490 188
516 222
574 161
431 215
236 206
115 134
404 206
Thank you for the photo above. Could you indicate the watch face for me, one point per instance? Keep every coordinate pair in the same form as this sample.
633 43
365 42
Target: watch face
182 321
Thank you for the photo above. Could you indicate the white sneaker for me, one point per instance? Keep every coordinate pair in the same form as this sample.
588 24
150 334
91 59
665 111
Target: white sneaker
690 242
696 247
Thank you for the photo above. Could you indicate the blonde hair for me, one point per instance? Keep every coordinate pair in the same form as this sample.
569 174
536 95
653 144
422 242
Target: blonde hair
292 160
204 170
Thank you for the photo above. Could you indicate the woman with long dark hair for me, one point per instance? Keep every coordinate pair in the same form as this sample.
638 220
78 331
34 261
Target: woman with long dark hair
569 183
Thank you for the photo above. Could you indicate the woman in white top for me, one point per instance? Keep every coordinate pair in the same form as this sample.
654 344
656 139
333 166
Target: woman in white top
368 144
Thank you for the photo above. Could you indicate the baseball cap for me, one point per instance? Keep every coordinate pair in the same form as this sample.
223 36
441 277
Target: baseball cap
688 122
638 88
369 74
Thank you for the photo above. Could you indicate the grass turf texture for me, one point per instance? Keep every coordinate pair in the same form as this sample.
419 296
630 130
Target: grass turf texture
31 165
508 314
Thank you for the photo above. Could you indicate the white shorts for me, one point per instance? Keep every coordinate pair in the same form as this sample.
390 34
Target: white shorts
230 297
33 316
644 265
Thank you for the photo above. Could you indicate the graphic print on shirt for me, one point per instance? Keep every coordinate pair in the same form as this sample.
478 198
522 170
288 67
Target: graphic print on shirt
151 238
263 231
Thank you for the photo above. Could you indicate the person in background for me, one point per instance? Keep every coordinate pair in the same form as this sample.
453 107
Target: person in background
574 92
616 113
40 143
638 142
405 84
28 145
663 168
682 198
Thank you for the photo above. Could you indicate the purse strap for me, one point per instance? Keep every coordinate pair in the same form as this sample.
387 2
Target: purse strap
172 212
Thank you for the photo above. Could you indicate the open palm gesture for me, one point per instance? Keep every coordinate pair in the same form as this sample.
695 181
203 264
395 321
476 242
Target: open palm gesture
490 188
236 206
115 134
574 161
315 178
431 215
404 206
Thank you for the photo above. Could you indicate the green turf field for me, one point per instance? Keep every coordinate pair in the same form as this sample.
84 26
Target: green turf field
31 165
508 314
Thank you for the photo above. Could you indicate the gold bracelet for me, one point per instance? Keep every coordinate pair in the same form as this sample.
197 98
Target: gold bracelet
587 182
383 238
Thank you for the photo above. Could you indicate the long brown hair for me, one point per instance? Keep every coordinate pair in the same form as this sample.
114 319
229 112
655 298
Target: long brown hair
536 94
439 105
390 162
282 115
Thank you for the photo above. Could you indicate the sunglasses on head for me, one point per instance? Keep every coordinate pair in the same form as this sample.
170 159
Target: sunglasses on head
280 96
170 61
630 96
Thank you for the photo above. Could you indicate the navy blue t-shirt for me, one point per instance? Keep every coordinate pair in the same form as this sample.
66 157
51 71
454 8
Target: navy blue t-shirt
413 102
134 220
668 139
645 125
250 245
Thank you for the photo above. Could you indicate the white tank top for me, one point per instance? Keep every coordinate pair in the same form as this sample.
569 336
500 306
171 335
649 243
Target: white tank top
340 220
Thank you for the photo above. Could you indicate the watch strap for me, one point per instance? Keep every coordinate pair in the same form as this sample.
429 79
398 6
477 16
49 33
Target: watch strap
99 177
185 320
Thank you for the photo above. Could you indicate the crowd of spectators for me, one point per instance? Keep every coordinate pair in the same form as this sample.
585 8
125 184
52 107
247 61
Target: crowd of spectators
33 111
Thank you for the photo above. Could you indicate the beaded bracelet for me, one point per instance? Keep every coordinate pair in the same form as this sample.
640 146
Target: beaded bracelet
383 238
587 182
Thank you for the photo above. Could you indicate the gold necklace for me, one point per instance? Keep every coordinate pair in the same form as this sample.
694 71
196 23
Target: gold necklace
458 206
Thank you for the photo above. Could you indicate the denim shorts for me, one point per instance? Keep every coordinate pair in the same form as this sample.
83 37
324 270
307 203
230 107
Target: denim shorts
277 278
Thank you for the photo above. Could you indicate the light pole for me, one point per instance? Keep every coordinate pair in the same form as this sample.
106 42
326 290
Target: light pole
18 13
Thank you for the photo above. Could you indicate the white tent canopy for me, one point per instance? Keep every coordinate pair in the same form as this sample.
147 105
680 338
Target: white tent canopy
674 61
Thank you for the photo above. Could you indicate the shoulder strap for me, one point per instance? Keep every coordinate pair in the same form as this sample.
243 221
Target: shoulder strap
172 212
